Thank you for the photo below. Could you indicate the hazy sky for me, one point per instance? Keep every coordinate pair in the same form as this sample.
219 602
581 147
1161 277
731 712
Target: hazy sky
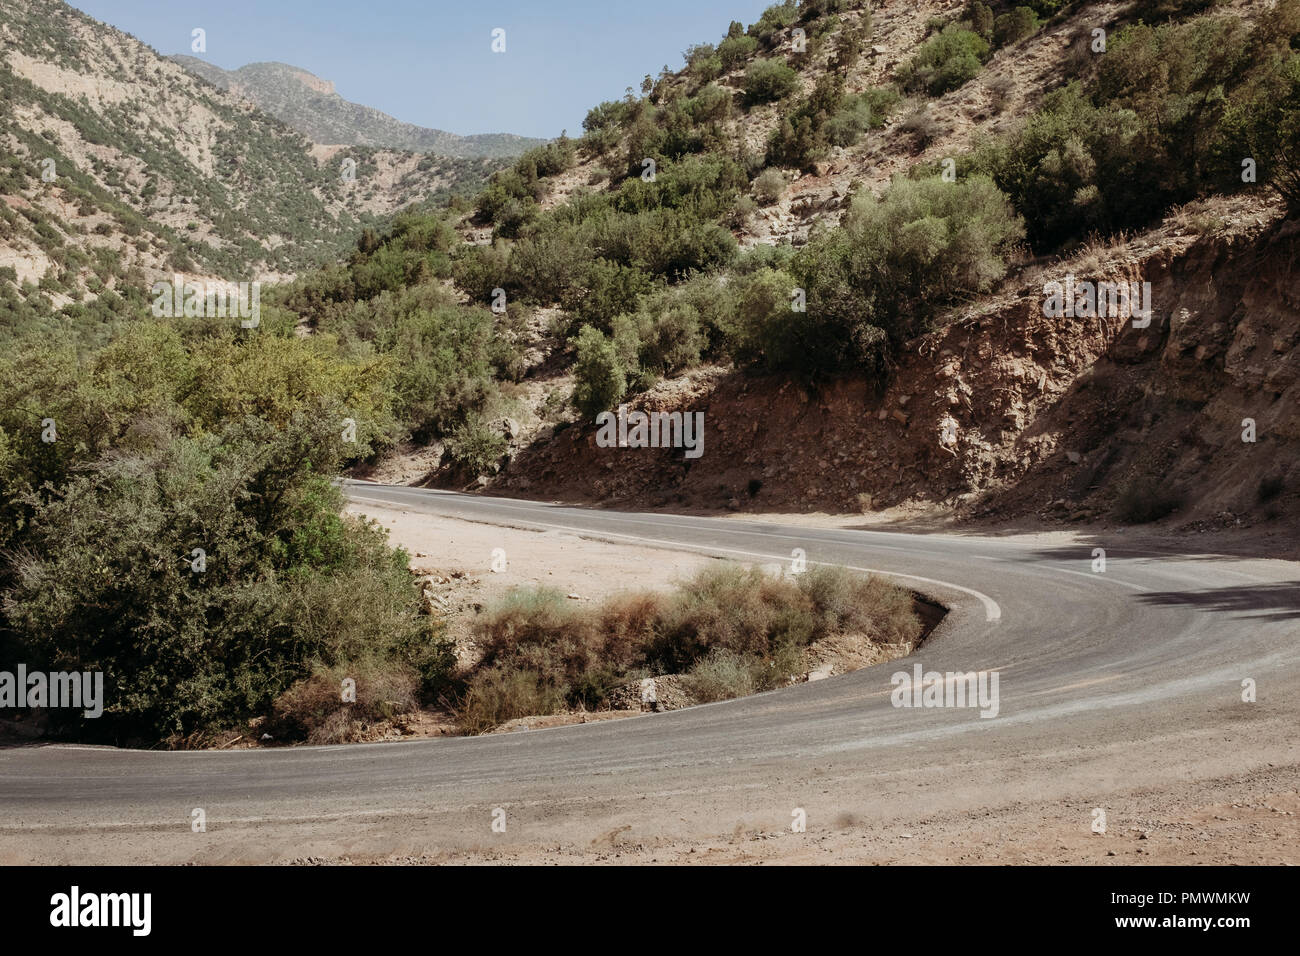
430 62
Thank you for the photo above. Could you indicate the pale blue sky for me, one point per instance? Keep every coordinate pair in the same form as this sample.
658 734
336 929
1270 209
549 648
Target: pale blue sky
430 62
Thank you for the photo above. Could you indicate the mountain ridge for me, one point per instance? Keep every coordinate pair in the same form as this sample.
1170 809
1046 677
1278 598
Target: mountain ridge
311 105
120 167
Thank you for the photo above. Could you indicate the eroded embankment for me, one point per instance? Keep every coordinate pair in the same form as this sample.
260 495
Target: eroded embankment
1051 415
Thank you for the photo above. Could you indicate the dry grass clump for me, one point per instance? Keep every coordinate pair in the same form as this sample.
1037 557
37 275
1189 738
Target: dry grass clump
314 709
732 630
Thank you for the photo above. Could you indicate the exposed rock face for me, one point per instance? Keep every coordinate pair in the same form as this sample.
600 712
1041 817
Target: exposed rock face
1005 410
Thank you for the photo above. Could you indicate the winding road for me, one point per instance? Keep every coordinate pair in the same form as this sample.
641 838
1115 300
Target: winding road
1114 687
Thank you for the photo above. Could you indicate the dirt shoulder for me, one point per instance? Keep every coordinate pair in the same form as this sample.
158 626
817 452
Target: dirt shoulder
1226 821
464 551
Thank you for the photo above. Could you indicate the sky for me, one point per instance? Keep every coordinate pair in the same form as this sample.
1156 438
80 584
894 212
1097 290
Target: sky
430 62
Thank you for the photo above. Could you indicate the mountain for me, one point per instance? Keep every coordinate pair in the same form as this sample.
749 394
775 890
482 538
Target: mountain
119 167
311 106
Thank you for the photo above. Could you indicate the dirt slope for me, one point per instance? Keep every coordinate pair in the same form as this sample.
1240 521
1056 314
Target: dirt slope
1052 415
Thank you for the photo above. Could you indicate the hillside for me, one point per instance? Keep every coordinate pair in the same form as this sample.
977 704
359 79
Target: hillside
120 168
310 105
1058 419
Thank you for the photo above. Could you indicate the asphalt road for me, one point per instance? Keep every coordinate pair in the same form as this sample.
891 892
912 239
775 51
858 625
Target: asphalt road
1107 682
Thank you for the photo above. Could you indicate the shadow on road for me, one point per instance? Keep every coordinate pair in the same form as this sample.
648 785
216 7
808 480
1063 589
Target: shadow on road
1268 602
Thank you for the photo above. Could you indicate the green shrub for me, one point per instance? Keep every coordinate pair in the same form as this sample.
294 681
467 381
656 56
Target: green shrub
712 104
604 290
944 62
885 273
774 20
1075 168
734 51
1015 25
444 360
1173 112
600 378
769 186
803 136
1264 124
881 101
744 209
475 448
859 114
480 269
768 80
287 584
764 327
666 340
981 19
850 43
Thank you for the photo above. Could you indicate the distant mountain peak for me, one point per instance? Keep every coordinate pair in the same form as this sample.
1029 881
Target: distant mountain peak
307 79
312 106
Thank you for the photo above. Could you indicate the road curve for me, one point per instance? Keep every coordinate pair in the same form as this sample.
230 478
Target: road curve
1108 681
